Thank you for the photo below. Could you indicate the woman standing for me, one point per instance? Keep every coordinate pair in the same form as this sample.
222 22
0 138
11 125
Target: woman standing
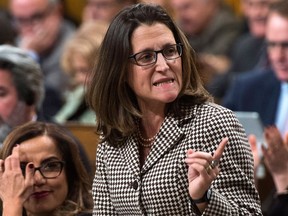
160 152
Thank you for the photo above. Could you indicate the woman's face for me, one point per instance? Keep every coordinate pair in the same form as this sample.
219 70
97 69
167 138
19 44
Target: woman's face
160 83
81 68
47 194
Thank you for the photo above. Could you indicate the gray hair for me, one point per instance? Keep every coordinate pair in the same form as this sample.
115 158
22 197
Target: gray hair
26 73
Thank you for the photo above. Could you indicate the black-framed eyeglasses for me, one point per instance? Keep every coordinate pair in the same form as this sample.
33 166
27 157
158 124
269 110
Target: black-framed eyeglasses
49 170
273 45
35 18
149 57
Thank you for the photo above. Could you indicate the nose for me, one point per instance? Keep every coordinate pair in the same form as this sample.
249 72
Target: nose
38 178
26 29
161 63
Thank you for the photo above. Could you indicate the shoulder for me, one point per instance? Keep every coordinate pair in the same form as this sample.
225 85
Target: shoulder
259 76
209 112
247 40
216 111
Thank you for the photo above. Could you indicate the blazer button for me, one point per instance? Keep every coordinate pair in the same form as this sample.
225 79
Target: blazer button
135 185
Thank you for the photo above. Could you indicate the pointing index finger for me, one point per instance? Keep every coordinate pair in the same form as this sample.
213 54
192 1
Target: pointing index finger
219 151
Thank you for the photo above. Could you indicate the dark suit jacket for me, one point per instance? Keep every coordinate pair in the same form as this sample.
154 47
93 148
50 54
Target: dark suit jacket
248 53
257 91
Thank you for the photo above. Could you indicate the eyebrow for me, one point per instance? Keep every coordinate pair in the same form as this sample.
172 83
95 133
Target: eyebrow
163 47
52 158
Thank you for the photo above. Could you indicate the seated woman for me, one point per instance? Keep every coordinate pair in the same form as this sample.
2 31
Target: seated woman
77 61
41 173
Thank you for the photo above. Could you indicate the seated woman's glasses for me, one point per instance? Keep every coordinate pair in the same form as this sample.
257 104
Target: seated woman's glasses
49 170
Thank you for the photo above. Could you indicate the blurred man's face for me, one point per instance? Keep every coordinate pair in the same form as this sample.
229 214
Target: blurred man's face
8 95
12 111
277 44
103 10
193 16
256 12
29 15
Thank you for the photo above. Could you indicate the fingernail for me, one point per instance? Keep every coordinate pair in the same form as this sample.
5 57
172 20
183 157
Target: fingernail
31 166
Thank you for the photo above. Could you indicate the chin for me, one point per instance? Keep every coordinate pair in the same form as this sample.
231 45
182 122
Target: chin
283 76
169 99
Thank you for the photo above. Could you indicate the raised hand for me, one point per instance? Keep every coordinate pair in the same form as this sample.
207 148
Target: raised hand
14 187
276 153
202 170
276 157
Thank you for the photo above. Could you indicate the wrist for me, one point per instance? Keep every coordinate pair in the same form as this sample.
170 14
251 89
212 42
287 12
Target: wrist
281 183
204 199
282 191
12 208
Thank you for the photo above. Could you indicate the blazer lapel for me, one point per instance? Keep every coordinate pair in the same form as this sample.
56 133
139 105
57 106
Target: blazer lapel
130 154
169 135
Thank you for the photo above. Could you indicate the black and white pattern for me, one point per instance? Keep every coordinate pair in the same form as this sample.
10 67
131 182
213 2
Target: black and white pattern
161 186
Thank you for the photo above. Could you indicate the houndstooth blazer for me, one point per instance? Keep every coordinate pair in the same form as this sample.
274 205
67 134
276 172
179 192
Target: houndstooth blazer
160 187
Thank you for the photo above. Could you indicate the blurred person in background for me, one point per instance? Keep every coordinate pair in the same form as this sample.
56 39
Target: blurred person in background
212 29
265 90
166 4
21 88
7 32
104 10
78 59
42 31
249 50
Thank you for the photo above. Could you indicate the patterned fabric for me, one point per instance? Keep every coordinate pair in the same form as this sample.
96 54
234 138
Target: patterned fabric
120 187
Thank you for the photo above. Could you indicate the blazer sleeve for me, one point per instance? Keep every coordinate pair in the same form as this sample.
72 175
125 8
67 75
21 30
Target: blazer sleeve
100 190
233 191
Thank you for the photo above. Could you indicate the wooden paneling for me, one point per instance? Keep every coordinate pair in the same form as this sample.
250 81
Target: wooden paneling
88 138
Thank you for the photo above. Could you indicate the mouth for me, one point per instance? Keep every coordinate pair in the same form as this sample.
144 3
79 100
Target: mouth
39 195
259 20
161 83
281 67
